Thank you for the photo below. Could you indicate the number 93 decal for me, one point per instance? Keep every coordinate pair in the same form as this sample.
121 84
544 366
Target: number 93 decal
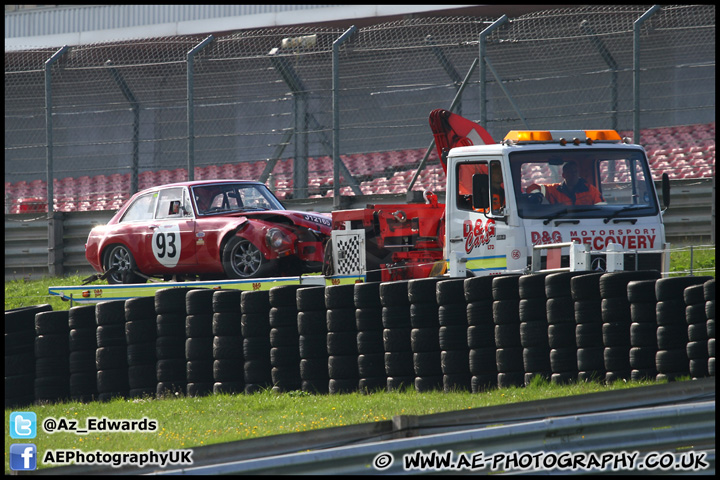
166 245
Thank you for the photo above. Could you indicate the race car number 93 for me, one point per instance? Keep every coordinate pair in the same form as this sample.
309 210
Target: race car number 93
166 245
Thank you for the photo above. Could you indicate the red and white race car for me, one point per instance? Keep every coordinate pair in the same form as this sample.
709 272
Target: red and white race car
212 229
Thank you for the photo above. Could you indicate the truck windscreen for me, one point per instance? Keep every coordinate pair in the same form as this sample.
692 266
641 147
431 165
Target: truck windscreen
583 183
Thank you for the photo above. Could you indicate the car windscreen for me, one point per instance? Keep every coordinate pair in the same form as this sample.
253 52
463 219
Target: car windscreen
234 197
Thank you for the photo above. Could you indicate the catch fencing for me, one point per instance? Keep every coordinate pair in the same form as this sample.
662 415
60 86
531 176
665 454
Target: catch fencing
323 111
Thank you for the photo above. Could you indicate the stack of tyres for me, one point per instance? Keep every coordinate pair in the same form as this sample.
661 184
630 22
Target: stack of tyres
171 366
506 315
227 370
312 341
424 336
480 333
199 342
52 368
396 335
342 351
111 353
82 346
371 352
560 310
672 332
697 353
255 330
20 354
140 336
585 292
452 315
534 326
615 310
709 293
643 329
284 338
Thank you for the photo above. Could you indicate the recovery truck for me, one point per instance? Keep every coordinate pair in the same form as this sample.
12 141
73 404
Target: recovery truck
505 212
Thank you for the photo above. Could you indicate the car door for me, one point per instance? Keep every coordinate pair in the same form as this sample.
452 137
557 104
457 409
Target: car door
170 237
477 233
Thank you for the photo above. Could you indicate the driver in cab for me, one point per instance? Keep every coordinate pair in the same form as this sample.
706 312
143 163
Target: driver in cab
573 190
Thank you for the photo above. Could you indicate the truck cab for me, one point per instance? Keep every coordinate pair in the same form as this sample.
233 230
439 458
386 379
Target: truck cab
505 199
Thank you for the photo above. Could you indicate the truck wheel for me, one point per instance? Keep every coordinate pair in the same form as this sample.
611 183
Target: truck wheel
119 257
242 259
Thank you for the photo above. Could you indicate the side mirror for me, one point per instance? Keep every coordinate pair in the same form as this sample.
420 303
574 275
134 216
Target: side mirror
481 191
666 190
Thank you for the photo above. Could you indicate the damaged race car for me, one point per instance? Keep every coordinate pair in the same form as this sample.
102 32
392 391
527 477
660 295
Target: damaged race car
210 229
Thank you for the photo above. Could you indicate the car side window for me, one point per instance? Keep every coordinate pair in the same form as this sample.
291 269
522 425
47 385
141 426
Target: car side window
169 204
141 209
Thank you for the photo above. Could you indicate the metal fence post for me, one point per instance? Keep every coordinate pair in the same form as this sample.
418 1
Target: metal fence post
55 240
135 106
481 55
191 104
636 70
336 112
49 124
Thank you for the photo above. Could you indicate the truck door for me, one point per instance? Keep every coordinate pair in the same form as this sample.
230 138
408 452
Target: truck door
477 219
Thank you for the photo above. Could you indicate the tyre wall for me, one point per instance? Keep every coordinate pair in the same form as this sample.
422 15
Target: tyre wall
445 334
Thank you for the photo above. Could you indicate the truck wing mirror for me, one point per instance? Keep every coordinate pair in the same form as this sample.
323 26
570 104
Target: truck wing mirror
481 191
666 190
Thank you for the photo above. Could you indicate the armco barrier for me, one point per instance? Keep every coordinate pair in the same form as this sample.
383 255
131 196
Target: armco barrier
690 220
21 323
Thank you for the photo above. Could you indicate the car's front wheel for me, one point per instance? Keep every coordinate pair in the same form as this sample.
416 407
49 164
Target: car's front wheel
242 259
119 258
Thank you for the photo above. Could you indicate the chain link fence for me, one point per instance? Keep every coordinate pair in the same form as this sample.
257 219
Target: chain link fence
258 104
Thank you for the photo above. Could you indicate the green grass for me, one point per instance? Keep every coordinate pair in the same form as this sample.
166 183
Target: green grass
190 422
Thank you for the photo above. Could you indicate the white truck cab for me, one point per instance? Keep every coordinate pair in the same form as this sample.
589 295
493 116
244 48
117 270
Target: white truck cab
505 200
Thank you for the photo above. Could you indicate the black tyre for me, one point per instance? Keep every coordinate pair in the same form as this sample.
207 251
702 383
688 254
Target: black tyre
284 296
614 284
199 325
367 295
394 293
505 287
199 301
641 291
257 301
110 312
423 290
119 258
451 292
586 287
242 259
532 286
226 301
673 287
23 318
482 361
51 322
312 299
478 289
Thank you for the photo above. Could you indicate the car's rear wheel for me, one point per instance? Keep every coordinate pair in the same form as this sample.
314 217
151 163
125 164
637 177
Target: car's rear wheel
118 257
242 259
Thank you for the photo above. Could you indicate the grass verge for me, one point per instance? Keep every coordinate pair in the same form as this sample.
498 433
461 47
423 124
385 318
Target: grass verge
185 422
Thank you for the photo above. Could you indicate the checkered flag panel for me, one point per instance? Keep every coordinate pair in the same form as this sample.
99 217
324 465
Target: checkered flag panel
349 258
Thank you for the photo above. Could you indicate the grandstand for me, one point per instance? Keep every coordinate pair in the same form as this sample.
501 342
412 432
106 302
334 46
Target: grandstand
683 152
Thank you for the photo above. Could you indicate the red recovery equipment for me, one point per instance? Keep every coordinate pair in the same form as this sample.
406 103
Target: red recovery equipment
406 241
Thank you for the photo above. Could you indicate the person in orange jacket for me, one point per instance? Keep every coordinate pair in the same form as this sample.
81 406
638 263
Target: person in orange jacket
573 190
